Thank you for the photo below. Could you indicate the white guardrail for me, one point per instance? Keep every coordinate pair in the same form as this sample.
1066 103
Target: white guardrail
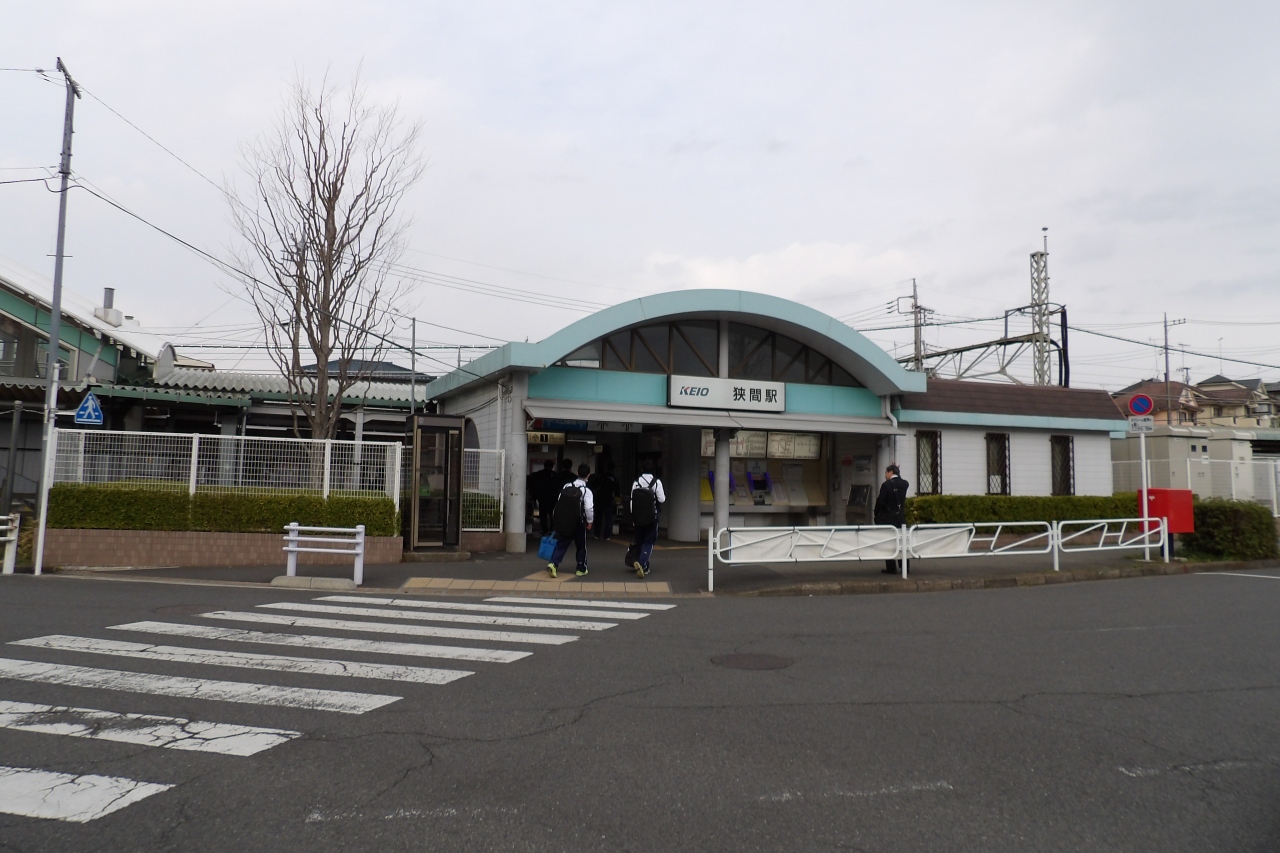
293 548
746 545
9 525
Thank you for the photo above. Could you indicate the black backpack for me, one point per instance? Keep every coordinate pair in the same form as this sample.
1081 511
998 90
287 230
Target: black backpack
567 515
644 505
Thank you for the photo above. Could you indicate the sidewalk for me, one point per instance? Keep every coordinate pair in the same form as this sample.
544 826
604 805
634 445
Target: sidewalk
681 569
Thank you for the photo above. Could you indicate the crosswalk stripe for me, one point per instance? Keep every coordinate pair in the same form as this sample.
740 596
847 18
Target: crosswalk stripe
142 729
65 796
392 628
193 688
570 602
246 660
512 621
488 608
315 641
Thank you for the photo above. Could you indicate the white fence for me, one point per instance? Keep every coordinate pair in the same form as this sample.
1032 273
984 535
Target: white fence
482 492
227 463
745 545
1256 480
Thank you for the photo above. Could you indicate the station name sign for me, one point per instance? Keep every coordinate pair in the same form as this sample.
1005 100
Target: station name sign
700 392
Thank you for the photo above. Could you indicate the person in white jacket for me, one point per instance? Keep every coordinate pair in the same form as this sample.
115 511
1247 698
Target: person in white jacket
645 503
584 516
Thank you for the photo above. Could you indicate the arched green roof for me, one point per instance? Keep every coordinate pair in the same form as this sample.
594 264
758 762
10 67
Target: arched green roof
868 363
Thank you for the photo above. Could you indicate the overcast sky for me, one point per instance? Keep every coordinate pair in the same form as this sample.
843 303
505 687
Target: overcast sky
827 152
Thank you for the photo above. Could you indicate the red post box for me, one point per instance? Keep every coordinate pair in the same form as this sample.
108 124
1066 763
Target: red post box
1173 504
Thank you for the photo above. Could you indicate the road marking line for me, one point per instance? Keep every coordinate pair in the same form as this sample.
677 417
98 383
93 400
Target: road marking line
570 602
193 688
513 621
246 660
490 608
64 796
1239 575
142 729
315 641
391 628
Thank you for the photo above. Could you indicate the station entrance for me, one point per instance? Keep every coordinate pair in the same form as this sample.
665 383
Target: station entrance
776 477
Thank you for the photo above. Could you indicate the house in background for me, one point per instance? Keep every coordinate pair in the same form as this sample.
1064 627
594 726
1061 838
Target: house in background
1235 402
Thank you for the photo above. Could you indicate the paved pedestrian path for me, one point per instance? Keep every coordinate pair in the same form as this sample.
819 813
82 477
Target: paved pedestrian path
326 637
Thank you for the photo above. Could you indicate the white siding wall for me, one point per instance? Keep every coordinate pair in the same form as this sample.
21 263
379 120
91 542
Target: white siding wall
1093 463
1030 467
964 460
481 405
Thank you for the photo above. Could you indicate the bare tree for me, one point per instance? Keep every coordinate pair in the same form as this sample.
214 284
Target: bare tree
320 230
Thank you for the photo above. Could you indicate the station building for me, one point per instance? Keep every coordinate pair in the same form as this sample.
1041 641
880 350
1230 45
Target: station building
759 411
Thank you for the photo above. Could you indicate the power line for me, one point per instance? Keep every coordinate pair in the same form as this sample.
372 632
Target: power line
153 140
1185 351
223 265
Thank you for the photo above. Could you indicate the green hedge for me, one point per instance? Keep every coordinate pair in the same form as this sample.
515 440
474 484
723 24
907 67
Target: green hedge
83 506
1232 530
945 509
481 510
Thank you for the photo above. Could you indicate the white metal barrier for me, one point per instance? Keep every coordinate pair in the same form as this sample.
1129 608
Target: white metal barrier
746 545
9 526
1112 534
293 548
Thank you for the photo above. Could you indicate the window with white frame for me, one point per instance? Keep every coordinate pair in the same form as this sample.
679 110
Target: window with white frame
928 462
997 463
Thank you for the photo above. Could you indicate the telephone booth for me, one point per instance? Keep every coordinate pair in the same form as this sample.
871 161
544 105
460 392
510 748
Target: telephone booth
433 516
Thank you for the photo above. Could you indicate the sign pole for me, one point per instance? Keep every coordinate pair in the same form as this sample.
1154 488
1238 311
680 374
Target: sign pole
1142 453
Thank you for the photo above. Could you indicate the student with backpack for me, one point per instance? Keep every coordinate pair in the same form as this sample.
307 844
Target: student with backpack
647 498
571 519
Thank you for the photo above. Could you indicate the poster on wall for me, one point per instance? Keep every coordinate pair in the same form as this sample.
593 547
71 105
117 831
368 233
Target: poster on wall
749 444
795 445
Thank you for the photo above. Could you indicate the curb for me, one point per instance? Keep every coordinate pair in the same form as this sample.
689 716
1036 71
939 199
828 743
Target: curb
344 584
863 587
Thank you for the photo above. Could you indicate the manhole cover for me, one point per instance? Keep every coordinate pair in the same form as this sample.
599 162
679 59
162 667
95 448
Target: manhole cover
184 609
752 661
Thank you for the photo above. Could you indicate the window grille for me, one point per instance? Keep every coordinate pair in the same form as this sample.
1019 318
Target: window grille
928 462
1063 461
997 463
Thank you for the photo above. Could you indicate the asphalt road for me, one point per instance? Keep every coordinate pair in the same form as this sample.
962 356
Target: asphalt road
1139 714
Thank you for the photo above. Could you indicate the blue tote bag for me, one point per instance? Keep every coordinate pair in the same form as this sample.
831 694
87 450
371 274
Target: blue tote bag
547 549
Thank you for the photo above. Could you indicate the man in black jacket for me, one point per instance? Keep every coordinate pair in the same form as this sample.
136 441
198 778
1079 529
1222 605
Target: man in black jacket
544 488
891 508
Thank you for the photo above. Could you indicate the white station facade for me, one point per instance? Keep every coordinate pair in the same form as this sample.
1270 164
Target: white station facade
757 411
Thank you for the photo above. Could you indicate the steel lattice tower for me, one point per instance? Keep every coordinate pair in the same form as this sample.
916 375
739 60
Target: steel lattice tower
1040 315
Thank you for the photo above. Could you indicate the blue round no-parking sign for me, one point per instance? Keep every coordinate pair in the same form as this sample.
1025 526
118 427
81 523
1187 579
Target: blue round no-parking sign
1141 404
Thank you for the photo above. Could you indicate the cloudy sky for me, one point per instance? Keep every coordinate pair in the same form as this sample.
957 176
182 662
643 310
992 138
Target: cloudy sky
827 152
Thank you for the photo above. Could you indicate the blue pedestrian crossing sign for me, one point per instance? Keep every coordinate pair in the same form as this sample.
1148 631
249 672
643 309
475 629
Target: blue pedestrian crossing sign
89 412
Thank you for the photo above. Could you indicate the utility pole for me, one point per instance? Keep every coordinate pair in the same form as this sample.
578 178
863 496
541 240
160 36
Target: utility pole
918 316
1168 386
413 366
55 313
1040 312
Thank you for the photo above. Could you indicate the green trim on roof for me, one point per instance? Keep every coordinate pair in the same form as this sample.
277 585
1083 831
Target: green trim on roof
69 333
991 419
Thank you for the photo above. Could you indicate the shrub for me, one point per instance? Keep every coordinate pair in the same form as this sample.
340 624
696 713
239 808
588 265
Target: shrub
72 505
944 509
481 510
1232 530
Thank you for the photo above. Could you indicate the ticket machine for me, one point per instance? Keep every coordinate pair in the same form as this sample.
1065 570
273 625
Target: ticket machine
433 509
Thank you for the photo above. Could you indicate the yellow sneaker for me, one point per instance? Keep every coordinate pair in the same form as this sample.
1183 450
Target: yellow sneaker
551 567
